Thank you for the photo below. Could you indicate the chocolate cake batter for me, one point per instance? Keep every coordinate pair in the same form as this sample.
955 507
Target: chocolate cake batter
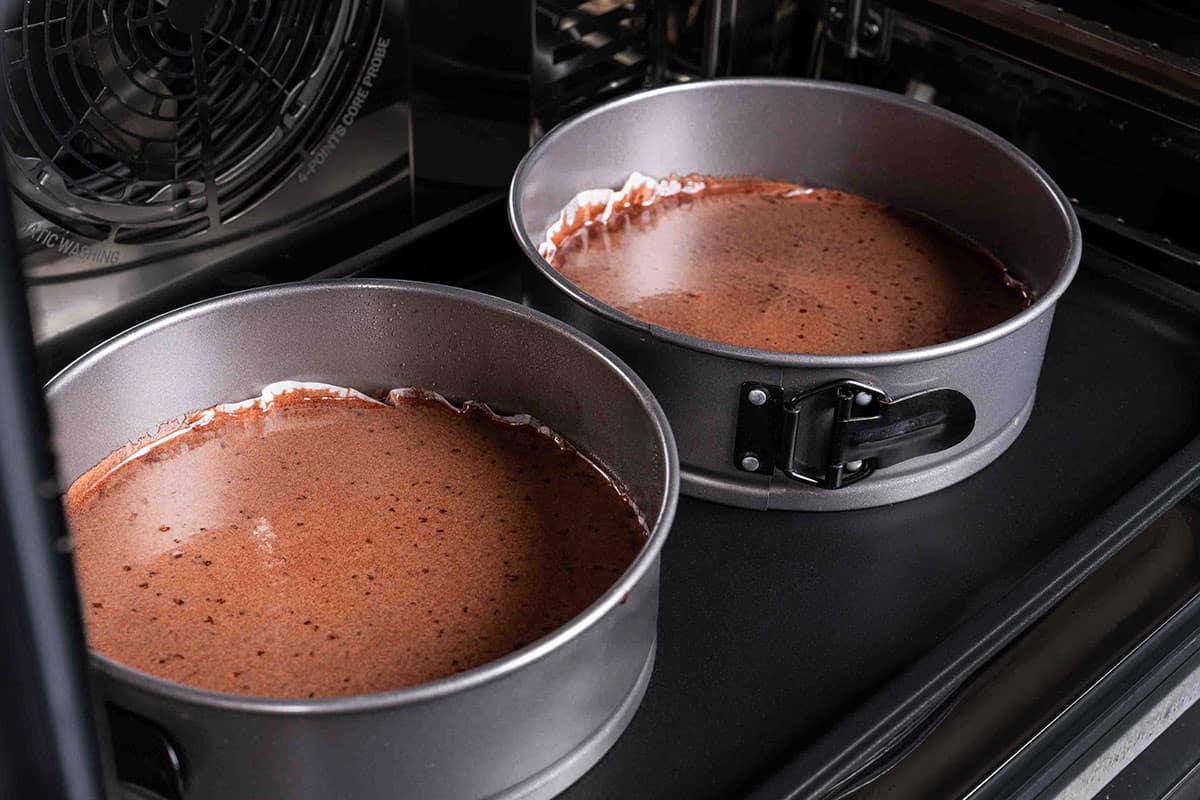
333 546
772 265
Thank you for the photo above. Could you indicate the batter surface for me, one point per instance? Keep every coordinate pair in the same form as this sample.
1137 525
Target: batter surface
772 265
322 545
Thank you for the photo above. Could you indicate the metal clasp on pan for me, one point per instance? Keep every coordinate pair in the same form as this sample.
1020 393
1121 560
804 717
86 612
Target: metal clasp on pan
840 433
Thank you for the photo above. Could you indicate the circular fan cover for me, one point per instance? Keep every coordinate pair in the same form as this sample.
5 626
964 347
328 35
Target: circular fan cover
145 120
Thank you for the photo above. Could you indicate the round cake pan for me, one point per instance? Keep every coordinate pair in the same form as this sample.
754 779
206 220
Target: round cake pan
763 429
526 725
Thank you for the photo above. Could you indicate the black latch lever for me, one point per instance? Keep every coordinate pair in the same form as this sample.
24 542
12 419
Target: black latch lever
842 432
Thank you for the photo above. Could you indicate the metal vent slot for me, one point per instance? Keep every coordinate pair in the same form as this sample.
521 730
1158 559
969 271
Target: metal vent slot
149 120
588 52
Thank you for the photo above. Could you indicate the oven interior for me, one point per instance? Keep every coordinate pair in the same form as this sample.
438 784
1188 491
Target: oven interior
981 641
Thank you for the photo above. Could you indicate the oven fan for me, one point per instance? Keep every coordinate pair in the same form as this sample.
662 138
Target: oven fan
135 121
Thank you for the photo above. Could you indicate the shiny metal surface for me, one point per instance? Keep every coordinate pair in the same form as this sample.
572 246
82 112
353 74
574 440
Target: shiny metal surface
1092 41
1037 682
370 167
526 725
874 143
348 172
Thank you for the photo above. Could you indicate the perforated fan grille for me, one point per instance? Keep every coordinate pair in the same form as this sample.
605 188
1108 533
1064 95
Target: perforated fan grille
142 120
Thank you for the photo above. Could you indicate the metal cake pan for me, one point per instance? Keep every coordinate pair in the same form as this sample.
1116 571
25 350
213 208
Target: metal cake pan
943 412
526 725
